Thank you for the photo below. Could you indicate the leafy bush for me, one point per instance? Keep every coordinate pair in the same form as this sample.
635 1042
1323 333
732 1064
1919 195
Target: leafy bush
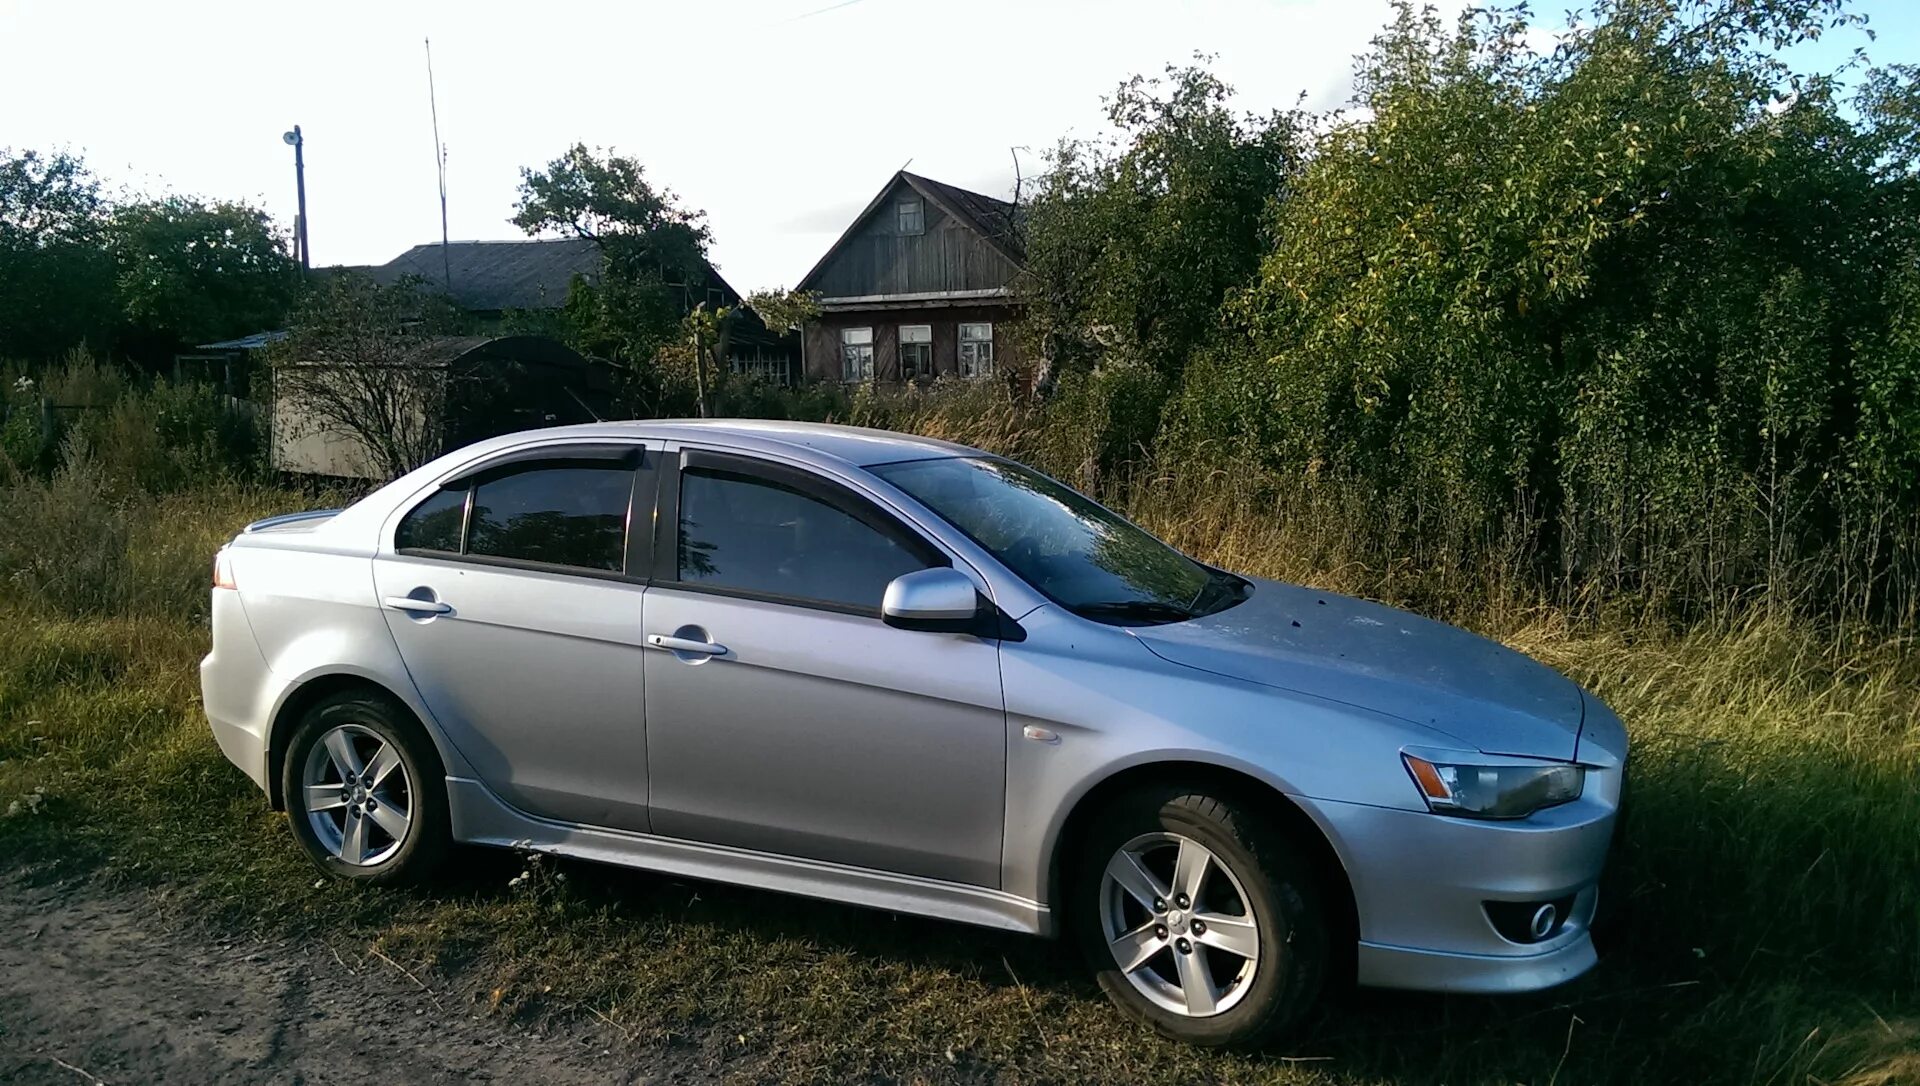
1639 311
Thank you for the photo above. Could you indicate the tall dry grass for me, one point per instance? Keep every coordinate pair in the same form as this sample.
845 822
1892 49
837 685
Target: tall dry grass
1770 873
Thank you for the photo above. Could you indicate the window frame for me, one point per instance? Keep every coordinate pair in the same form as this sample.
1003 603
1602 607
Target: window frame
872 358
640 461
900 215
902 343
666 548
961 343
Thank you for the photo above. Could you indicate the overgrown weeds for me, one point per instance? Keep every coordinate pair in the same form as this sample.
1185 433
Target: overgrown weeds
1771 873
1769 880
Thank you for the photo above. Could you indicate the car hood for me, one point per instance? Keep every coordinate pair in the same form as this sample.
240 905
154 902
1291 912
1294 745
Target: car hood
1482 693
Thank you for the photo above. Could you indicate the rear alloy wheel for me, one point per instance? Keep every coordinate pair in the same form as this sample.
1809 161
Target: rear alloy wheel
365 791
359 798
1198 918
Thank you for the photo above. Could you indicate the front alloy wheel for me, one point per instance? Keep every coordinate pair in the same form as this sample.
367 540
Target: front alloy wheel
1176 920
1198 916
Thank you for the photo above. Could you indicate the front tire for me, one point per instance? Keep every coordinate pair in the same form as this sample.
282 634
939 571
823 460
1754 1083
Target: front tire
366 793
1198 916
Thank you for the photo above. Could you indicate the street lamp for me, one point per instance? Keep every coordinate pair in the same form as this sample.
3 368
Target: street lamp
294 140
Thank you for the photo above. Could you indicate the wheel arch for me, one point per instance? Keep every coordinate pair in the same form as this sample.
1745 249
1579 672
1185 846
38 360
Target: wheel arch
303 696
1329 870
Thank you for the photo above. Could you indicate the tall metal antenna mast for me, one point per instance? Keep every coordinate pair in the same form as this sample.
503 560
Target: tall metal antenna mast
440 163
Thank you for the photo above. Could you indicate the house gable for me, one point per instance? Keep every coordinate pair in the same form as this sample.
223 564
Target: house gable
963 249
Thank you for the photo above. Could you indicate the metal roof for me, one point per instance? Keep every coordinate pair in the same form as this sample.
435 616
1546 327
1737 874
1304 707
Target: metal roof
532 273
245 343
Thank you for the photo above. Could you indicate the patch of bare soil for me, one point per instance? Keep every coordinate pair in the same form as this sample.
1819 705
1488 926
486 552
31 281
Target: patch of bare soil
95 988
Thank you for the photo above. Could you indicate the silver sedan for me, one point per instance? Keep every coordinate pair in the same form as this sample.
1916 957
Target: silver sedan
913 676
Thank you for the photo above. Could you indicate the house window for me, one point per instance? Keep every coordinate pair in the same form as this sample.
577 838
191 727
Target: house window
916 351
771 368
976 350
913 215
856 354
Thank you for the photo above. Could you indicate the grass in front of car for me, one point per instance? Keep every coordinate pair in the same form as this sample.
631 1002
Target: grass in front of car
1771 870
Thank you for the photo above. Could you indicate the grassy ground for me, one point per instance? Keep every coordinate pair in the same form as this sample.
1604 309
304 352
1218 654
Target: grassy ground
1771 873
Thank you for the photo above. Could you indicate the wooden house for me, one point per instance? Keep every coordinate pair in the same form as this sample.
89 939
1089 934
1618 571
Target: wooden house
919 286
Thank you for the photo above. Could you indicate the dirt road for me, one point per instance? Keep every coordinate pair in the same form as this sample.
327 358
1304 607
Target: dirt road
96 989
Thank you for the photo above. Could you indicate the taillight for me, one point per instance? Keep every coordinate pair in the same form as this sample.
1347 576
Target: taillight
223 570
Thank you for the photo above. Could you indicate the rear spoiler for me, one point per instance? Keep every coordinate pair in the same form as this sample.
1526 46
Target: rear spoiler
285 520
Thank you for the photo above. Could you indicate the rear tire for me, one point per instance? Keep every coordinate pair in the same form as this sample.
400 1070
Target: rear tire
366 791
1233 956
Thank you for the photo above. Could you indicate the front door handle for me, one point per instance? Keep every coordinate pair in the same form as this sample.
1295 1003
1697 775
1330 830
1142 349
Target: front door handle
686 645
413 605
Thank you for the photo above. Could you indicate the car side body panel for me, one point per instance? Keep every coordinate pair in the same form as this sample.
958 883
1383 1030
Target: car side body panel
535 678
828 736
310 606
1079 702
1111 705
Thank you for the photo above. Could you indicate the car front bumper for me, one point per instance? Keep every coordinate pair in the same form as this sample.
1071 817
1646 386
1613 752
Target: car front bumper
1422 883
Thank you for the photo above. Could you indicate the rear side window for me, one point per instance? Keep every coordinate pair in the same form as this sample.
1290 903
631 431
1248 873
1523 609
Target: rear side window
756 536
434 524
562 516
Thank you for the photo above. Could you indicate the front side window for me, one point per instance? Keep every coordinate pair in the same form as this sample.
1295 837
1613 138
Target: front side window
756 536
916 351
856 354
912 215
561 516
976 350
1064 544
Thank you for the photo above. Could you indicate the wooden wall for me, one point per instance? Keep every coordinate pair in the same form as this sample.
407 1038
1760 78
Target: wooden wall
823 338
878 259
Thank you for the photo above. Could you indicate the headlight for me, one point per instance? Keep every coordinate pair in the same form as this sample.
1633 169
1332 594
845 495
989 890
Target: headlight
1494 789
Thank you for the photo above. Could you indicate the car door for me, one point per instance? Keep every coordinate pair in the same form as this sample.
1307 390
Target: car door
782 714
515 598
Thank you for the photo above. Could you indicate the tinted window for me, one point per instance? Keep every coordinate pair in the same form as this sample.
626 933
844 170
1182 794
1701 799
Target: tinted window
571 516
434 524
1062 542
758 536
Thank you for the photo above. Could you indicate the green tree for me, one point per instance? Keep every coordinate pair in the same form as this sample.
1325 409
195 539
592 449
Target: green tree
1133 242
1639 288
189 271
653 251
784 310
56 282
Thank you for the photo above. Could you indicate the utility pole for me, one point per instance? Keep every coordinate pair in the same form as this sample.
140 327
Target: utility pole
299 145
700 359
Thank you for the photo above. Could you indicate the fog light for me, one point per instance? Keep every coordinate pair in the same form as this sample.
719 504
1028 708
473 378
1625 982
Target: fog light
1530 921
1544 918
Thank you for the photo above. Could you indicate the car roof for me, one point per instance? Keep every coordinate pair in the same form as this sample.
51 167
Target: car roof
856 445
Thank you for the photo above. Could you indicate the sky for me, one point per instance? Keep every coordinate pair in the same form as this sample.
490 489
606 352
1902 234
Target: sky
780 118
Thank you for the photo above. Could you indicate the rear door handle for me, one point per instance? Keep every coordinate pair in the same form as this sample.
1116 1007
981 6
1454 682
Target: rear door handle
686 644
417 606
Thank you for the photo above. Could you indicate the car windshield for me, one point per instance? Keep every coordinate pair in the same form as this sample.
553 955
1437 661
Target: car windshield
1064 544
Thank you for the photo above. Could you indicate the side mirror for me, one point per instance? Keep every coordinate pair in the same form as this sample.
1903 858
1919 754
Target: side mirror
941 599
